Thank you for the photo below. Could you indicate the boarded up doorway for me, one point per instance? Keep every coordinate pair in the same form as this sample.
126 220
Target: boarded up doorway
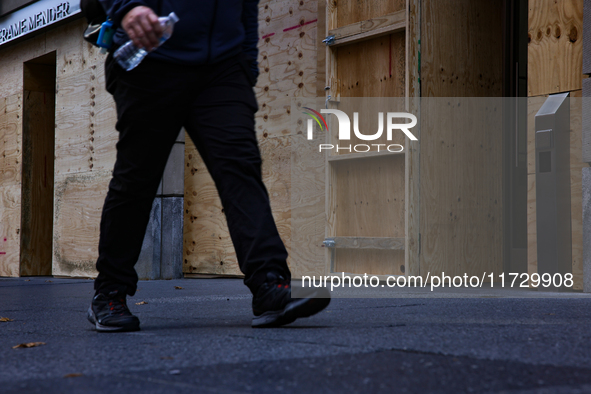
39 77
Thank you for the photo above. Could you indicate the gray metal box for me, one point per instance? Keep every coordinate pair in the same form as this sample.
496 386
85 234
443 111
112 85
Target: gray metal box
553 199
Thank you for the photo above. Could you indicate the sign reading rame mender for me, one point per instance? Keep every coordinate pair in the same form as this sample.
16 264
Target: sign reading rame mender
34 17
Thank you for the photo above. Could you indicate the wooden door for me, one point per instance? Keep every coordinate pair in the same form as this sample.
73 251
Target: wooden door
370 196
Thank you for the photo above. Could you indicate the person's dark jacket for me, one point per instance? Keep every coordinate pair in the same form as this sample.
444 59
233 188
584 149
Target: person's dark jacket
207 32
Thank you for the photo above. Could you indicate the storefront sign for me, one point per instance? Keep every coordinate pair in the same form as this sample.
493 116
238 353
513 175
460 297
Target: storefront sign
34 17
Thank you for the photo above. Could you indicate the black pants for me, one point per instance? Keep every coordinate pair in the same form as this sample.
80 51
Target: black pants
216 105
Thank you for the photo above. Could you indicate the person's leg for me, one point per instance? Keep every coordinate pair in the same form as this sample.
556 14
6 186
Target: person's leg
149 118
221 124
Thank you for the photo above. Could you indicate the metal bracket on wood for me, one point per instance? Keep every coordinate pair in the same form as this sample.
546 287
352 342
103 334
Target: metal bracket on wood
329 243
329 40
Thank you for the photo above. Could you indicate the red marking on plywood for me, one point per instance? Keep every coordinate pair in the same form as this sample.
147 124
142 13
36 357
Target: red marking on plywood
267 35
303 24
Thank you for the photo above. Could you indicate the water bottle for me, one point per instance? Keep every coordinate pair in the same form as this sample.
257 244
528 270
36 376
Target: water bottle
129 56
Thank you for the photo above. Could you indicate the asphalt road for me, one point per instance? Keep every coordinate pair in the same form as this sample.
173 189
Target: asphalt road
198 339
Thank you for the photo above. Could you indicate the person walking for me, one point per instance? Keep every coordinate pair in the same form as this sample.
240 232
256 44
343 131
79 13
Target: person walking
201 79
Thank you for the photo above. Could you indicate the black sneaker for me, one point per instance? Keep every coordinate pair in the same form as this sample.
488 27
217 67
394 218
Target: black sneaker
109 313
273 306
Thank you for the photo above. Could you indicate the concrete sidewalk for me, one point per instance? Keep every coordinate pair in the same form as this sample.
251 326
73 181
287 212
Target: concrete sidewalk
199 339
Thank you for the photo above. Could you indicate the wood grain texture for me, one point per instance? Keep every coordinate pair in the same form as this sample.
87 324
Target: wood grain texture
74 55
287 51
10 186
353 11
78 204
321 32
368 29
10 212
372 262
85 133
37 185
73 148
369 197
308 188
461 214
103 116
461 48
367 243
412 158
274 118
373 68
11 141
361 156
207 247
555 50
11 63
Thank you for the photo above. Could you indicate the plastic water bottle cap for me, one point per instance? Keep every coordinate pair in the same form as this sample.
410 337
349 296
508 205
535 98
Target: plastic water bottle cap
172 16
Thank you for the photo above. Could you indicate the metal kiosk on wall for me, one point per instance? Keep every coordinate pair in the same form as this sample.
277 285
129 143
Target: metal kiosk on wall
553 194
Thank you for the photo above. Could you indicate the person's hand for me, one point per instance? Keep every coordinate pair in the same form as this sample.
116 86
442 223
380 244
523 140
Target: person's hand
142 26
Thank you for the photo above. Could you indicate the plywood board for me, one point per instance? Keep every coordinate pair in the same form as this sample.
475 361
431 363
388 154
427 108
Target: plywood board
373 68
369 197
37 185
10 141
462 48
78 204
12 58
555 49
207 247
461 186
74 145
368 29
74 55
371 262
412 148
352 11
274 118
287 50
10 190
308 184
321 50
103 117
10 213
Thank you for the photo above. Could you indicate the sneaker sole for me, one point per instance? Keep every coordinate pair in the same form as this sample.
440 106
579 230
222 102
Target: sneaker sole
304 307
102 328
